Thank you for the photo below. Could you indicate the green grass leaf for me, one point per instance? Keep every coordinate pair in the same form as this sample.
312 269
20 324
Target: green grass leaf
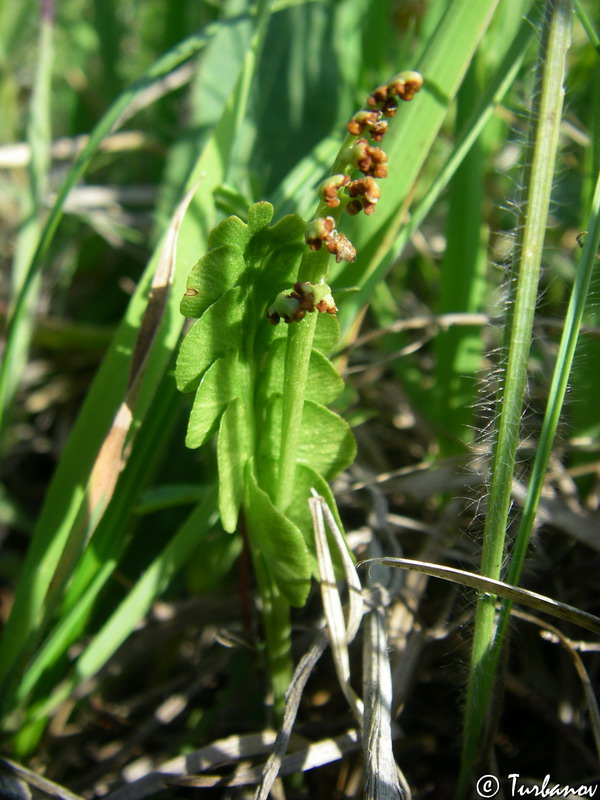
409 142
137 603
68 516
164 65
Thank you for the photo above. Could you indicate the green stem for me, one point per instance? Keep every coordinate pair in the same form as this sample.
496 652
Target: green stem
313 268
300 337
556 396
297 358
278 639
277 628
546 115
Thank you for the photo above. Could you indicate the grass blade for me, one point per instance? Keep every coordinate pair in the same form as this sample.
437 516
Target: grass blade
68 498
39 138
462 286
137 603
492 587
108 124
443 67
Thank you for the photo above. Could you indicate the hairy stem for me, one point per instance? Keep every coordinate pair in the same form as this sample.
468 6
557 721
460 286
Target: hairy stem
556 396
541 154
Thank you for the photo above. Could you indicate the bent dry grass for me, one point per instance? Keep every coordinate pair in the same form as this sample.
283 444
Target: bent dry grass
127 560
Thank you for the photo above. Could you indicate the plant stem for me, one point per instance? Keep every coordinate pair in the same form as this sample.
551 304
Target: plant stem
556 396
541 154
300 337
278 634
276 623
297 358
313 268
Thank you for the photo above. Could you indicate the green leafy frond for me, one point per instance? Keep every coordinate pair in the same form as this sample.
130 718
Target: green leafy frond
234 358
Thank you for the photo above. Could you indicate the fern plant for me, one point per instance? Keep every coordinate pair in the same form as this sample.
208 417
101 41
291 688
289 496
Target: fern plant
264 387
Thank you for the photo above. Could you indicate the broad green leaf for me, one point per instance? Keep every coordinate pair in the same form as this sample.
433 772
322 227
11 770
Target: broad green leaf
289 229
259 216
218 331
268 261
222 383
327 334
230 231
324 382
233 450
326 442
299 512
215 273
279 271
280 541
252 255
